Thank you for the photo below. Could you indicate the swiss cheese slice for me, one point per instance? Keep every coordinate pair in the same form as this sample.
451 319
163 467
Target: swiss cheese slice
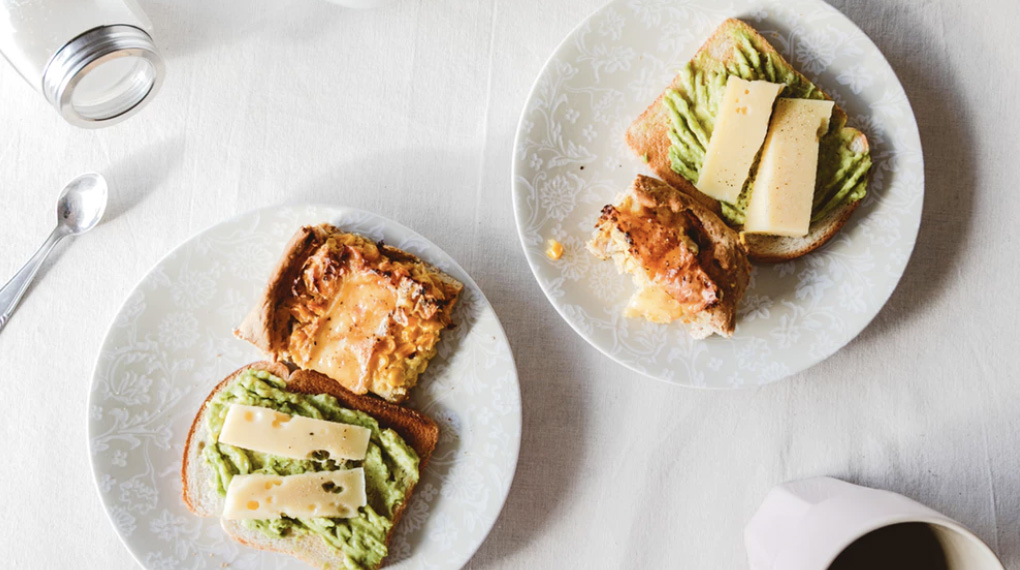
334 494
740 127
296 437
784 187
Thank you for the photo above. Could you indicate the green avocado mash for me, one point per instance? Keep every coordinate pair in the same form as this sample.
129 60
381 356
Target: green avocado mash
391 466
692 108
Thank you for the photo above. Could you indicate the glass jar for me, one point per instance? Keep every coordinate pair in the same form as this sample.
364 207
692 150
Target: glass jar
93 60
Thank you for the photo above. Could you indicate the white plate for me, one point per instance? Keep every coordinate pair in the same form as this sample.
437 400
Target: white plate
570 159
172 342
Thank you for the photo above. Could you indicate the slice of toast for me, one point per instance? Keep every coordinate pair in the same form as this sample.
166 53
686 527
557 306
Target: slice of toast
385 337
666 239
649 138
198 479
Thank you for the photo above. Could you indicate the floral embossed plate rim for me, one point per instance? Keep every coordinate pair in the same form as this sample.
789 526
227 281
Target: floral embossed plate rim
570 159
171 343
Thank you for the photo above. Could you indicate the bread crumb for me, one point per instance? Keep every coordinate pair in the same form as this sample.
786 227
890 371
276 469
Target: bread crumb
553 249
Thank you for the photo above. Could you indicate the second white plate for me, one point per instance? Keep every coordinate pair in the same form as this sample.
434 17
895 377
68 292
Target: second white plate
570 159
171 343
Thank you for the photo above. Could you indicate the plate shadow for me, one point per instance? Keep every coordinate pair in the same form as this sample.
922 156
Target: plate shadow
948 142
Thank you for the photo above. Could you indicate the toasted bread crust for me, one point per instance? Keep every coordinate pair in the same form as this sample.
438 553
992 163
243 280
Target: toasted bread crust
775 249
417 429
190 491
648 137
265 327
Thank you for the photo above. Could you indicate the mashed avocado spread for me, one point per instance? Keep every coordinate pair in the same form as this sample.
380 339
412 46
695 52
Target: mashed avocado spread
842 171
391 466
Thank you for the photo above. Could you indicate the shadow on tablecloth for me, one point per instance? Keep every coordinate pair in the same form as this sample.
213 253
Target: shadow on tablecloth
950 146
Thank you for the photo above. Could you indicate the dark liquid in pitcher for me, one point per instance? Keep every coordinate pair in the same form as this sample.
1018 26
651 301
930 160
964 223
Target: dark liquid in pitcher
906 546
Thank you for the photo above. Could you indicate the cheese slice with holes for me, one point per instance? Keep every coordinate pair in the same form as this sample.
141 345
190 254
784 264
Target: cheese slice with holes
740 127
296 437
333 494
784 187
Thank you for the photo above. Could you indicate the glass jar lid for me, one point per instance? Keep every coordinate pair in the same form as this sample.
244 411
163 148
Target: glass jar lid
103 76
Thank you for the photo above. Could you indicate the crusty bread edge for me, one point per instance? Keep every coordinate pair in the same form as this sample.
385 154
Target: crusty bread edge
454 287
262 326
417 429
775 249
194 471
389 415
647 137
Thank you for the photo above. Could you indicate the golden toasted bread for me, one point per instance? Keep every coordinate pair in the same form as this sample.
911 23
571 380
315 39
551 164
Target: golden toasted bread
365 314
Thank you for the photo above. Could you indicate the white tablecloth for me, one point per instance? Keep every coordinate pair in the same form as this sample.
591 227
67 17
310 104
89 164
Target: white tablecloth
410 111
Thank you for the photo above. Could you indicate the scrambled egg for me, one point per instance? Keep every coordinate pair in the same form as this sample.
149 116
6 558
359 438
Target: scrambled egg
367 315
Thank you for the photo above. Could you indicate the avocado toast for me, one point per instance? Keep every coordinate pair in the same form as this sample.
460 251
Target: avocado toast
401 443
673 133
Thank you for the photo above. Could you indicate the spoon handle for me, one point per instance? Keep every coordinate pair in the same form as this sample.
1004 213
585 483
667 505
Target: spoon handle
12 292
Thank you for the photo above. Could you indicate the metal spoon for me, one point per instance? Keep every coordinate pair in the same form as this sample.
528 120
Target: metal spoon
79 209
